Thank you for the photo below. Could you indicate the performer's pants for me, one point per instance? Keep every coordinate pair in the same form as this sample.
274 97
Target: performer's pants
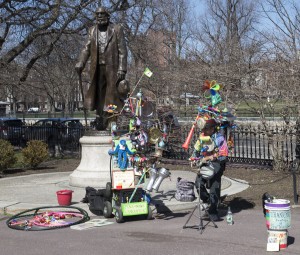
214 185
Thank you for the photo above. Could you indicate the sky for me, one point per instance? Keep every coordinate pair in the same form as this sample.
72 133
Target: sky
199 9
198 4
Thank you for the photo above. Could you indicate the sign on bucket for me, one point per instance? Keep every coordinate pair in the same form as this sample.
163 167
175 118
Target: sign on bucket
278 214
280 237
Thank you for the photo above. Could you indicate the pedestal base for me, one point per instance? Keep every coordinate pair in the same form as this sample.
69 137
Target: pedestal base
94 167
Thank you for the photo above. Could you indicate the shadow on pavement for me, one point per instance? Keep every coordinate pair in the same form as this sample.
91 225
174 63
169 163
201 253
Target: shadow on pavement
237 204
169 216
290 240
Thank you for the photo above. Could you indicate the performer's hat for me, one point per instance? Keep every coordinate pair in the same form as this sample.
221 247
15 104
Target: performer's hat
210 123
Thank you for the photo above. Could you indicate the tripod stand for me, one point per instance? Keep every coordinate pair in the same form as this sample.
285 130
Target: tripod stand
202 210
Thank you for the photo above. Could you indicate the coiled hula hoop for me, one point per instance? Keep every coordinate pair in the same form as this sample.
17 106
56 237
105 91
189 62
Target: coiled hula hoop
46 218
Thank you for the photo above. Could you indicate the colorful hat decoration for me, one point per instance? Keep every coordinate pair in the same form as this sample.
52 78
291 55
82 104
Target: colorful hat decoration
211 91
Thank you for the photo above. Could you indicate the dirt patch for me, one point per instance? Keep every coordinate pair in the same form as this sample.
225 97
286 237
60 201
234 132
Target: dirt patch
51 166
261 179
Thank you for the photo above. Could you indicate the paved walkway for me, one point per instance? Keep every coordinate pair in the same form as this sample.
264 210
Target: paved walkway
31 191
163 235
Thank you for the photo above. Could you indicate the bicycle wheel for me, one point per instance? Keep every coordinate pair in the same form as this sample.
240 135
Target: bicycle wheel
45 218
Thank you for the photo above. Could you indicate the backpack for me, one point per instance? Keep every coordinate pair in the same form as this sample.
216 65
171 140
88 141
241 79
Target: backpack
184 190
96 199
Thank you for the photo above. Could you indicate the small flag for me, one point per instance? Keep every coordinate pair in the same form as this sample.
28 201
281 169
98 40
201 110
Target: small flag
148 72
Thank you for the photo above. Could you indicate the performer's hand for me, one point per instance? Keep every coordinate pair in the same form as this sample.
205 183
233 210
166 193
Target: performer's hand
208 158
121 75
79 67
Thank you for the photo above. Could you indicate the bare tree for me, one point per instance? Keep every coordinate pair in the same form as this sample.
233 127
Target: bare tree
25 25
259 66
157 32
227 37
283 52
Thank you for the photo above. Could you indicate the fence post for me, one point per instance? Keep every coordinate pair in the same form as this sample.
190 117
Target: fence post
296 163
297 150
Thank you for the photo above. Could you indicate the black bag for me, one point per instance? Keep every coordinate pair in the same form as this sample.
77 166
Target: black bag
96 200
97 197
184 190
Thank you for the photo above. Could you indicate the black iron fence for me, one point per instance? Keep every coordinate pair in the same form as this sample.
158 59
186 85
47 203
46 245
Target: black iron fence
252 144
62 138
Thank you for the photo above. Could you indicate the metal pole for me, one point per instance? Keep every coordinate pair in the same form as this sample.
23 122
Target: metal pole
132 91
185 105
295 186
296 162
185 100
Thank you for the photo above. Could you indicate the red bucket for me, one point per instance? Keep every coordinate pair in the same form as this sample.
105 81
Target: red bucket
64 197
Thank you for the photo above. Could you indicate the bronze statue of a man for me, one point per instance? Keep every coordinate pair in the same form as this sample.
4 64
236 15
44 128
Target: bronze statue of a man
106 47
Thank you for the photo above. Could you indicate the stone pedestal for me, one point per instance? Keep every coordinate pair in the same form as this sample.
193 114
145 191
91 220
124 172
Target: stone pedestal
94 167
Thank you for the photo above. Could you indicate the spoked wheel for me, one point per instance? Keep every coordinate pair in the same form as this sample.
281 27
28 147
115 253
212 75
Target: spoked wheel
119 215
46 218
149 215
107 209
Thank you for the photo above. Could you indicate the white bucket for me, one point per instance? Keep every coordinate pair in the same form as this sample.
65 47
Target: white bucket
278 214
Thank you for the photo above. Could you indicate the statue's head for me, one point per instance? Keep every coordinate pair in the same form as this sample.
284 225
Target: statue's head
102 16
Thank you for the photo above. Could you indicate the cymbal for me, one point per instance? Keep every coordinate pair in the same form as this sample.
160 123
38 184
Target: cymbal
154 135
